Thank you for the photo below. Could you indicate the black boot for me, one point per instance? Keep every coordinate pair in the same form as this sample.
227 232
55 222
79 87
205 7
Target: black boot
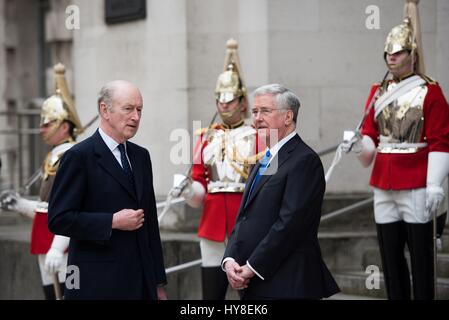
441 223
392 238
420 245
214 283
49 291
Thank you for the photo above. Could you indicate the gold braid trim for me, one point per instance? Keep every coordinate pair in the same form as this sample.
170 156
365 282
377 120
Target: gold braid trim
49 168
240 171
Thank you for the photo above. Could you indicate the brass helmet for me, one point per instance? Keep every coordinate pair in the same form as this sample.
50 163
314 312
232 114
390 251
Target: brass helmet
407 36
230 83
59 107
400 38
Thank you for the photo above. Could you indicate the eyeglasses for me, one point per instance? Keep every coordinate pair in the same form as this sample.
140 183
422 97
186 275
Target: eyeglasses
130 109
264 111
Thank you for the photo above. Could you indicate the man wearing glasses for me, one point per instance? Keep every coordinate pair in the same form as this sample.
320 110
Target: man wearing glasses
273 251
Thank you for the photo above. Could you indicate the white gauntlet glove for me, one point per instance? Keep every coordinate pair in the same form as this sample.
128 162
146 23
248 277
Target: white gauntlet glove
434 198
55 256
362 146
437 171
11 200
352 141
192 191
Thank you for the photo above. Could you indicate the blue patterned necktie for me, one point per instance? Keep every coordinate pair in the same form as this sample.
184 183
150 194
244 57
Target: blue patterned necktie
263 167
125 164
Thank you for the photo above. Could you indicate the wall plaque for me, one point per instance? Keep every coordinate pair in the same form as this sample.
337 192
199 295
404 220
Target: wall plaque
124 10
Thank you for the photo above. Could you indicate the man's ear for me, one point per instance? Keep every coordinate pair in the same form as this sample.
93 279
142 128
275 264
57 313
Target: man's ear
104 110
65 127
289 117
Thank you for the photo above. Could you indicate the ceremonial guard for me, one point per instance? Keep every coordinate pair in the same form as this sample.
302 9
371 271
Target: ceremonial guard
224 154
59 127
406 133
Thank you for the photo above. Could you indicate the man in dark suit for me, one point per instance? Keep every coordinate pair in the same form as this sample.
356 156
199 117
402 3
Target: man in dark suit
273 251
103 199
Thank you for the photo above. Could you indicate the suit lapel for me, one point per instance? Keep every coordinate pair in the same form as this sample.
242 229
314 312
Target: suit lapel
249 182
281 157
109 163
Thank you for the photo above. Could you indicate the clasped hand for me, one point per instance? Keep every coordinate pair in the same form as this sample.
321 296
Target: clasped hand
238 276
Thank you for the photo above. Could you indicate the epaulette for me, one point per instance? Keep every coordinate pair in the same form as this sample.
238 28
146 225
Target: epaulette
202 131
383 85
428 79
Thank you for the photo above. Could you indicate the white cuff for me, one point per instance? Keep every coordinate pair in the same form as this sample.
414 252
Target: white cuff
252 269
437 168
194 194
224 261
26 207
368 151
60 243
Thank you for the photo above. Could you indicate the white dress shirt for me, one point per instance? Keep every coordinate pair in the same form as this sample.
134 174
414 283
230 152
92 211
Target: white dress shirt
113 146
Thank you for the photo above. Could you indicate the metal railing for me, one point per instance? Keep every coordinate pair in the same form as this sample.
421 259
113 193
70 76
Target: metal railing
183 266
26 134
327 150
353 207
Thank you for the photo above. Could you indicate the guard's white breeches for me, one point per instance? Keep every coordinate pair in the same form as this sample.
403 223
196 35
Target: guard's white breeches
401 205
211 252
47 278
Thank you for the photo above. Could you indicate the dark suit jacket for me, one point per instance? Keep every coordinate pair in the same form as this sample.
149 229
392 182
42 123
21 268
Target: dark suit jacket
277 226
89 187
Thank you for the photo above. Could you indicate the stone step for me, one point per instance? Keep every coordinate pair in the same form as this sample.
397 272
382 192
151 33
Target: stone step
361 219
354 283
342 296
443 265
179 248
372 257
9 218
345 250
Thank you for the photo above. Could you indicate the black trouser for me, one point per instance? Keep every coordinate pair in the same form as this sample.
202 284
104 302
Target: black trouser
214 283
420 244
419 238
392 238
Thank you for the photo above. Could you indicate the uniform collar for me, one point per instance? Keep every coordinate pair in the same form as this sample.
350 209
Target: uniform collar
233 126
411 74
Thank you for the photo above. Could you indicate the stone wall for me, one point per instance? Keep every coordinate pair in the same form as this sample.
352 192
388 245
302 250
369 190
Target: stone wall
320 49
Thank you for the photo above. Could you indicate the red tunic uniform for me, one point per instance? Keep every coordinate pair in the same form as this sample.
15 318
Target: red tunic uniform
396 171
41 237
221 208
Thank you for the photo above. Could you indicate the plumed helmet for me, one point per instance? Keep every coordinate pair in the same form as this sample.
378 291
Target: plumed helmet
230 84
60 106
400 38
407 35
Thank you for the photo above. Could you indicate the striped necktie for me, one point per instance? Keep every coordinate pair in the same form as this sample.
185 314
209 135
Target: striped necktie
125 164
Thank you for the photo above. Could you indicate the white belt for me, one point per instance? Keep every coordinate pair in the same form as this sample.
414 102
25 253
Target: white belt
403 147
220 186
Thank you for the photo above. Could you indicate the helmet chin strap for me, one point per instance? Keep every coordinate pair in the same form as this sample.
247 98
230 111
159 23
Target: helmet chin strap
408 60
52 132
228 115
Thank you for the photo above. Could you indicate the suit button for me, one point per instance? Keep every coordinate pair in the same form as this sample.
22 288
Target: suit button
244 218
